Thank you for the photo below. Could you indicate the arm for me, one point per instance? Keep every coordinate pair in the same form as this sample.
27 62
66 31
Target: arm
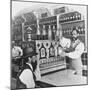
27 78
68 43
77 53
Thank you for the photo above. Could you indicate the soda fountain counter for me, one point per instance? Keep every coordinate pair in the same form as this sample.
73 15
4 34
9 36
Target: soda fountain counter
48 55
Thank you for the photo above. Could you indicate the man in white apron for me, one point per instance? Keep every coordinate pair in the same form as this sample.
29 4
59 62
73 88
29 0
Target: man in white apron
75 51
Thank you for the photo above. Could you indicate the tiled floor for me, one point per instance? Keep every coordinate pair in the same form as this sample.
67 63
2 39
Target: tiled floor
64 77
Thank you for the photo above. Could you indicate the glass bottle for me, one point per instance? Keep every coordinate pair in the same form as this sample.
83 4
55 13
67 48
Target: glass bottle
79 16
54 32
79 29
44 32
38 32
49 33
59 50
51 51
43 52
84 30
76 16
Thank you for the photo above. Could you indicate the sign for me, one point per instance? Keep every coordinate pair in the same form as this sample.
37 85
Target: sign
59 10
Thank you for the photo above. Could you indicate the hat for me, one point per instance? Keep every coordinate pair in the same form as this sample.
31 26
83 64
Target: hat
29 52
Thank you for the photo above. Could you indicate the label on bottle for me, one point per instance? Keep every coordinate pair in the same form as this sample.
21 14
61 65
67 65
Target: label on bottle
42 52
51 51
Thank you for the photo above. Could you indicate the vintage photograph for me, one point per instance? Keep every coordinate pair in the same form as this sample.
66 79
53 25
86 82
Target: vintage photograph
48 44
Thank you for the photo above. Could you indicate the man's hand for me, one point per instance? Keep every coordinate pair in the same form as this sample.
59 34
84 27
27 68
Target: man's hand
63 54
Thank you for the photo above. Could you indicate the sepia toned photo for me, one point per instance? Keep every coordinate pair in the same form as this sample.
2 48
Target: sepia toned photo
48 44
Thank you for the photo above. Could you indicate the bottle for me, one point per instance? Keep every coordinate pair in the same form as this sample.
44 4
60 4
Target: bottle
51 51
43 53
66 19
79 29
29 37
76 16
59 50
70 18
61 19
54 32
44 32
38 32
79 17
73 17
83 30
49 33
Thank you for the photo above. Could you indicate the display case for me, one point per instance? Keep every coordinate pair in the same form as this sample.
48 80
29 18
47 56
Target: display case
49 60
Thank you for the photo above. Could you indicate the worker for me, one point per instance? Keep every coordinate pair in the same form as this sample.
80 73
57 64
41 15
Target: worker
75 51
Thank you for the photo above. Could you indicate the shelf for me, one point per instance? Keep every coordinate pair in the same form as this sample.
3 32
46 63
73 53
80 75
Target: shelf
71 21
71 35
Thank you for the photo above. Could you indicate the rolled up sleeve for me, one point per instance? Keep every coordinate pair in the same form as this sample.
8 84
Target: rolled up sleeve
77 53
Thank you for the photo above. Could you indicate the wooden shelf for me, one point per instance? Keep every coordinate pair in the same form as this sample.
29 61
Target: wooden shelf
71 21
71 35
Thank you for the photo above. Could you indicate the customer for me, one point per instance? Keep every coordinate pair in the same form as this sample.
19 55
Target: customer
27 78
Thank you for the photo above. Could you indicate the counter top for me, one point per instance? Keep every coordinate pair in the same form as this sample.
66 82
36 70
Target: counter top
62 78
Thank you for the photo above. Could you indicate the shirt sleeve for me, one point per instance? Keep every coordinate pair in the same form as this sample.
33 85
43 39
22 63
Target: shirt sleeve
27 78
77 53
68 43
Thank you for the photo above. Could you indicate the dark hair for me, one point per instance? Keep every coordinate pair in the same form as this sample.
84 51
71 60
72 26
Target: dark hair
75 29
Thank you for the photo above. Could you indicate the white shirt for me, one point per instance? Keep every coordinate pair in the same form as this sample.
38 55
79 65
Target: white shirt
78 51
27 78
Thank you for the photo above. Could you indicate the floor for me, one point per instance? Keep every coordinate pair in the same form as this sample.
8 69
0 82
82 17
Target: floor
64 77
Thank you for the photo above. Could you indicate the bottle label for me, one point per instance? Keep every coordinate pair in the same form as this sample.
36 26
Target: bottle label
42 52
51 52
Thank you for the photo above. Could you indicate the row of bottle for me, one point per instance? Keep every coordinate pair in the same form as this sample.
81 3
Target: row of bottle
51 61
54 51
68 31
70 17
46 35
